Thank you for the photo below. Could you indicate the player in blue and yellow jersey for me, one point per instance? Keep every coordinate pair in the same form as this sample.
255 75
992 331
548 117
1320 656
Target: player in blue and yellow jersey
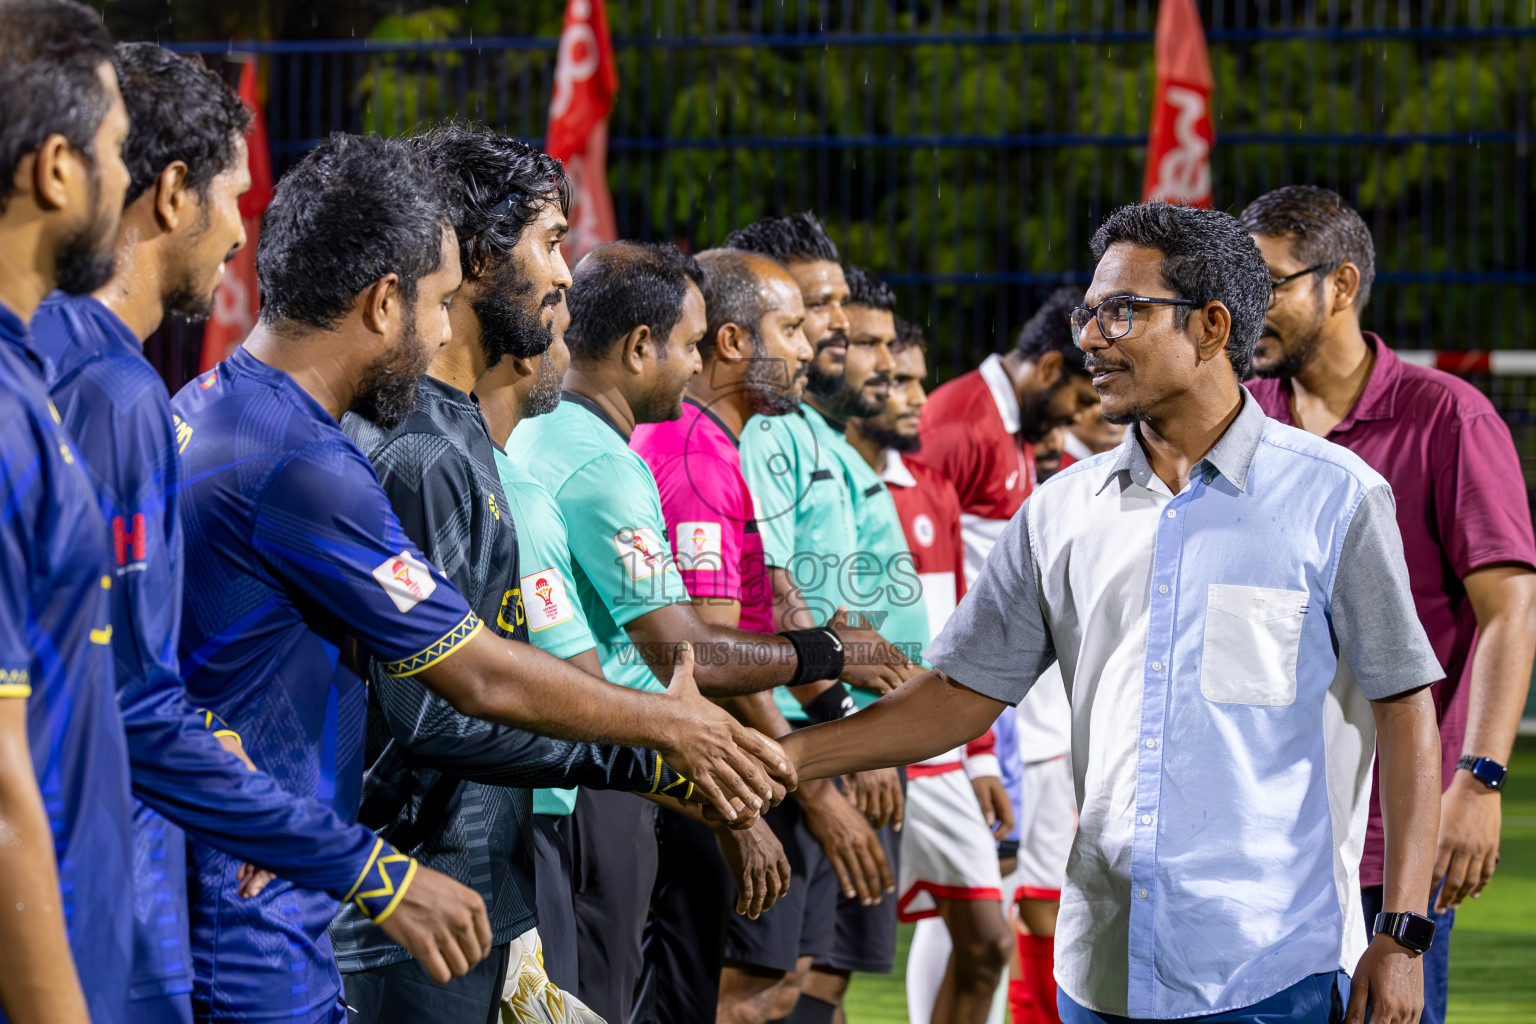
297 569
187 165
64 805
454 790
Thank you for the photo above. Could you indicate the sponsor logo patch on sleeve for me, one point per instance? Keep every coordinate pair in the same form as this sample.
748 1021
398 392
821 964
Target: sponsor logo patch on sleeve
406 579
640 551
545 600
698 547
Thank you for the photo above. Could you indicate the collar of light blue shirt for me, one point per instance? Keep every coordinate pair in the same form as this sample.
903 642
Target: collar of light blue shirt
1231 456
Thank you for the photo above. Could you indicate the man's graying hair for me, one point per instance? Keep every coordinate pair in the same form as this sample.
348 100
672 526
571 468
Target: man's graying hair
733 293
1207 257
1322 227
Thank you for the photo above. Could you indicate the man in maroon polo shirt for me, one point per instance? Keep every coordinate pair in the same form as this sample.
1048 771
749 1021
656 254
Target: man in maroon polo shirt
1461 506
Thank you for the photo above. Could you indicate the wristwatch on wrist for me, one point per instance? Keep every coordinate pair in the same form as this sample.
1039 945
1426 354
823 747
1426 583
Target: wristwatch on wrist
1484 769
1413 931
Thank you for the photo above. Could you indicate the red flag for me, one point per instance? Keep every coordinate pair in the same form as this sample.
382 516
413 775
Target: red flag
586 80
1179 150
235 303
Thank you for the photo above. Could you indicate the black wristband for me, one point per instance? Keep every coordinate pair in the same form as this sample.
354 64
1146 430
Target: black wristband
831 704
819 654
1007 849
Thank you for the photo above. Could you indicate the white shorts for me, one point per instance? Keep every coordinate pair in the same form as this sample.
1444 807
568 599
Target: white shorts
1045 834
947 851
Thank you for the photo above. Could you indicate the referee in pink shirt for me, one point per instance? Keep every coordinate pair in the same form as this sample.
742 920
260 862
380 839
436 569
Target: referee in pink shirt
1462 509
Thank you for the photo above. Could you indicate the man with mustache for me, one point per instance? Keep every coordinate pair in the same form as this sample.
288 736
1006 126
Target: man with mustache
754 357
637 317
65 812
450 789
1461 505
1204 586
186 157
949 878
298 571
879 581
979 431
798 467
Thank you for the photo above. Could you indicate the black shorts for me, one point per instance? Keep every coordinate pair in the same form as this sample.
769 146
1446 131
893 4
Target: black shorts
802 922
866 936
403 993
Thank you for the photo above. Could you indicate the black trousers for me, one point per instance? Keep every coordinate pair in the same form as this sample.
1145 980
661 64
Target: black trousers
403 993
613 870
685 935
557 908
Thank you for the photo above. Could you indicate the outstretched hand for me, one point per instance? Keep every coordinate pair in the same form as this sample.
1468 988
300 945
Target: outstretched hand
738 771
870 662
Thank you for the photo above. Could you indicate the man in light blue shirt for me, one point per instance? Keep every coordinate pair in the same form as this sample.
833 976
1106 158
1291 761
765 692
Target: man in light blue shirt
1229 603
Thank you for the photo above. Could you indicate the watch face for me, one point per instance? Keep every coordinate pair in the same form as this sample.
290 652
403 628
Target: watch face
1417 932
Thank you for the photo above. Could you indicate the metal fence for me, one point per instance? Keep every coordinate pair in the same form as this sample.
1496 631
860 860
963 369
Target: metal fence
965 151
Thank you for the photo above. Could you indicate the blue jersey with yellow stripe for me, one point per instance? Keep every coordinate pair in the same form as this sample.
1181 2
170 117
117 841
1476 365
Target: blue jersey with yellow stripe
292 553
55 653
116 407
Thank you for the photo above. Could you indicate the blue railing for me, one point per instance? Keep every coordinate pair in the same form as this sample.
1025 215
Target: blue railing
965 151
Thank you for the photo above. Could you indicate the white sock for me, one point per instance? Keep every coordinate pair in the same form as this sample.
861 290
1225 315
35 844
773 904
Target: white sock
926 962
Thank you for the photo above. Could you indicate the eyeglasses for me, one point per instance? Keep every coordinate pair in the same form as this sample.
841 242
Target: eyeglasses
1276 283
1116 315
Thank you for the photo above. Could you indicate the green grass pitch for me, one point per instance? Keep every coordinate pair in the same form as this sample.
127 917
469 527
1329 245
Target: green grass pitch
1493 947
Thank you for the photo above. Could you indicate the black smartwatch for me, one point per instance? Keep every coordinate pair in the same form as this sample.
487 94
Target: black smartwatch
1413 931
1484 769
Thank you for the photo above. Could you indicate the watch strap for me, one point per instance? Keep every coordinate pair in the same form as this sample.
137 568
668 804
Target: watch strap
1412 931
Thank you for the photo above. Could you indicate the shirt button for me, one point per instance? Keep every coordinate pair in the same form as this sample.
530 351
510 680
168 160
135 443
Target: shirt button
1146 819
1209 477
1157 666
1151 743
1141 894
1163 589
1173 513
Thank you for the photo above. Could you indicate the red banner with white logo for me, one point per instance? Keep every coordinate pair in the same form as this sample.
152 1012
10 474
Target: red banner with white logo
1179 149
236 301
586 81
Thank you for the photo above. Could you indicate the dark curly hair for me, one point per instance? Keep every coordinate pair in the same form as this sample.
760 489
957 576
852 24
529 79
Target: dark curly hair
622 285
1207 257
798 238
179 110
355 209
49 53
865 289
497 186
1323 229
1049 329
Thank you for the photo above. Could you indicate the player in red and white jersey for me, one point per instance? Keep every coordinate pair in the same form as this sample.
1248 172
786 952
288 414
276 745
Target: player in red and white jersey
1089 435
949 877
978 431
